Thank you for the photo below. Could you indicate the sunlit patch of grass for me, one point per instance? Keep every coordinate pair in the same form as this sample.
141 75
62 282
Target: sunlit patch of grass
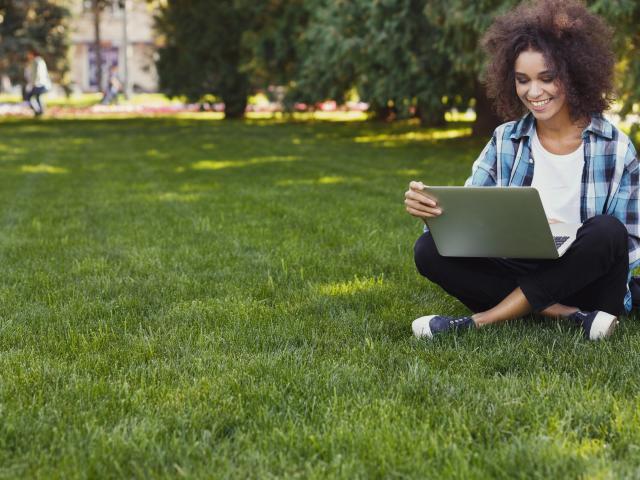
457 116
335 116
338 116
176 197
43 168
331 180
222 164
590 447
89 99
409 172
11 149
204 116
153 152
327 180
351 287
419 136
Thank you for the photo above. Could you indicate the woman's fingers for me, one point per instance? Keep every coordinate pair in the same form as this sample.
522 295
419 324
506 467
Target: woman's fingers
421 214
419 204
419 209
416 185
420 198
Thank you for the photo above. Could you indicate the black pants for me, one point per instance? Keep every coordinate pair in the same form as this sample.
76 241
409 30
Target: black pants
591 275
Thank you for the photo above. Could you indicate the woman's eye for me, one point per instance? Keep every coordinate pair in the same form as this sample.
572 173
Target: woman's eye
521 81
548 79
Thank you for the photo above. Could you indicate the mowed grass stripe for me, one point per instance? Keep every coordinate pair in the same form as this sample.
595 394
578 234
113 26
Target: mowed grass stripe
233 299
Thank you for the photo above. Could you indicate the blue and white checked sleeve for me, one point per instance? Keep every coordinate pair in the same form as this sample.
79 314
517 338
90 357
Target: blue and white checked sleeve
626 200
483 172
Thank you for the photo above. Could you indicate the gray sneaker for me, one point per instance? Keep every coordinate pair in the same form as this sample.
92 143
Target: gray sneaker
432 324
595 325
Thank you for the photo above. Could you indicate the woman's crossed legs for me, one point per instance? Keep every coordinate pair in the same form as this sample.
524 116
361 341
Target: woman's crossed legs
590 276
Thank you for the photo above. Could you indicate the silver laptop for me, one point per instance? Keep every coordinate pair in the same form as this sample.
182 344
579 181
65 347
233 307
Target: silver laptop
507 222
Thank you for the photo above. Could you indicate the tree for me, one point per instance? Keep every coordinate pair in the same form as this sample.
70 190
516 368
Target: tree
462 24
328 56
401 56
400 53
401 71
39 24
624 16
203 53
383 50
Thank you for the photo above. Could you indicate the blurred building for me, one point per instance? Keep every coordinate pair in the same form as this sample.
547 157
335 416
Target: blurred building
140 38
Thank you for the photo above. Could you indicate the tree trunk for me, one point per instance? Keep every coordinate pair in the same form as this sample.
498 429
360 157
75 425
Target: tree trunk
235 104
234 92
384 113
486 118
97 11
429 116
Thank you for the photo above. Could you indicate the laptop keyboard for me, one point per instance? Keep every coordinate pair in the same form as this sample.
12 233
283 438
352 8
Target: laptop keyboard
560 240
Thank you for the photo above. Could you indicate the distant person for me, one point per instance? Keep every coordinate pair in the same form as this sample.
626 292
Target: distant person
37 81
114 87
550 72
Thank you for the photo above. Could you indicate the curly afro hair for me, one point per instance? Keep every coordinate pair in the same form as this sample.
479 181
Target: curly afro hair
575 44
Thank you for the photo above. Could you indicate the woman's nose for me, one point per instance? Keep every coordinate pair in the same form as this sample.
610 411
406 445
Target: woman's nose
535 90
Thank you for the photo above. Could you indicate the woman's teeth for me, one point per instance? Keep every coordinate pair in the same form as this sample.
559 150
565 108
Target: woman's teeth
540 103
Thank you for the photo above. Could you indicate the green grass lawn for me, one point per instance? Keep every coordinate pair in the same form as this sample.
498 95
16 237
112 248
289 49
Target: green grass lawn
200 298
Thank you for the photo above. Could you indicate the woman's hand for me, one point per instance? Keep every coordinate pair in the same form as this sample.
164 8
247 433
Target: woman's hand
420 204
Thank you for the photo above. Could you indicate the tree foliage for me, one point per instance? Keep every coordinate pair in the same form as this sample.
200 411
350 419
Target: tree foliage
228 48
272 40
624 16
410 55
401 56
203 53
39 24
383 49
461 25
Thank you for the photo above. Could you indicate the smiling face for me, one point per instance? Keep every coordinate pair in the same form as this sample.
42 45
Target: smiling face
538 88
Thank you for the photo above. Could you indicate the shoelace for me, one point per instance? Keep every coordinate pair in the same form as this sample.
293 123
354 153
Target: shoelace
457 321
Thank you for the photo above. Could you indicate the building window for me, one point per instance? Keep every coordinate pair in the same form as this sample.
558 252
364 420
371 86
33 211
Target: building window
109 59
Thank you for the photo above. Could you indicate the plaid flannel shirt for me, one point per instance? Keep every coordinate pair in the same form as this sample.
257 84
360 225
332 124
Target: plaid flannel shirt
610 178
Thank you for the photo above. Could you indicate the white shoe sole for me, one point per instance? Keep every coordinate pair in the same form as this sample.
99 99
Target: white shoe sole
603 326
421 328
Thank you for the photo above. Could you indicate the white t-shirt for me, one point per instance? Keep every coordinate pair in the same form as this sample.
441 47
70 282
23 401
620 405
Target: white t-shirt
558 179
37 75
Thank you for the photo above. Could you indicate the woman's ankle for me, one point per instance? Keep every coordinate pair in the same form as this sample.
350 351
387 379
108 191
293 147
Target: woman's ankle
559 310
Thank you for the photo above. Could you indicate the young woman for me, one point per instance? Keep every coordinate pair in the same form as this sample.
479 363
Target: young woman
550 62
